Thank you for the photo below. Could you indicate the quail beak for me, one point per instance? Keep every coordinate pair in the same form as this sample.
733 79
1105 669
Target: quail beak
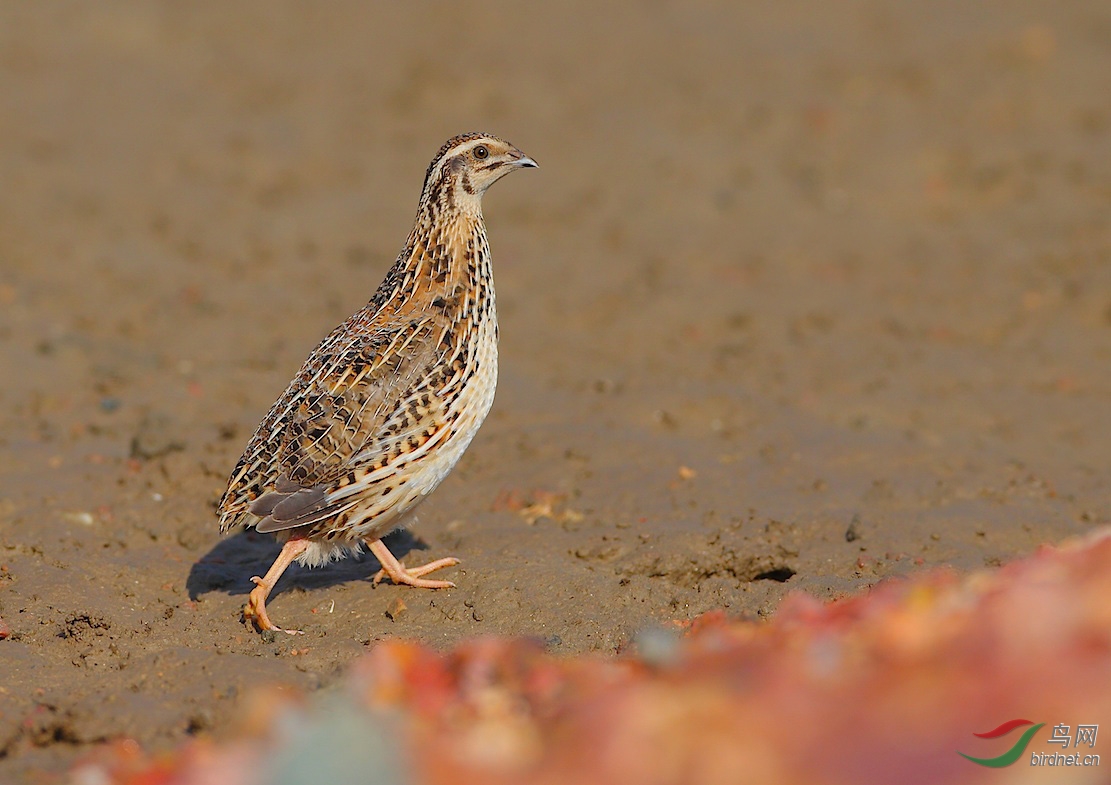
524 162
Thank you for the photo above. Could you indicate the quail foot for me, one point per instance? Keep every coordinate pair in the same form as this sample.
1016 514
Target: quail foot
384 407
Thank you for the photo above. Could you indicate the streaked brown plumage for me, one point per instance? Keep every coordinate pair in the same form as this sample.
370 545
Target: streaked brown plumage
384 407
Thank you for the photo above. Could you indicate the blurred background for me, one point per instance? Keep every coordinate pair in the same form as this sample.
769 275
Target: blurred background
804 295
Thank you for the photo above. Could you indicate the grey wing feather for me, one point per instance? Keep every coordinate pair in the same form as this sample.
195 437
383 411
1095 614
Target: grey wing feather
286 510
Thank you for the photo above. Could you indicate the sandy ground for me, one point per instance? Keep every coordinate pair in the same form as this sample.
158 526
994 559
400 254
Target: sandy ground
803 296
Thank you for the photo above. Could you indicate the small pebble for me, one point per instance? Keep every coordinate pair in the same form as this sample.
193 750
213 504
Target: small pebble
397 609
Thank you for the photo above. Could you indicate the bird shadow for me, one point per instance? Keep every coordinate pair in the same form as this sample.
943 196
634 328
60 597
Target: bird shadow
228 567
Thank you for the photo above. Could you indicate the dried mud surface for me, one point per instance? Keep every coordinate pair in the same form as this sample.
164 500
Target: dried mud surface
802 297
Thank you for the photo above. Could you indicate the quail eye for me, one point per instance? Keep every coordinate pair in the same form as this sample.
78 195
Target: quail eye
481 152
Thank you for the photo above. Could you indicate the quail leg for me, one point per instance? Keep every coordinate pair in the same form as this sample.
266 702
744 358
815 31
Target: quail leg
399 573
255 609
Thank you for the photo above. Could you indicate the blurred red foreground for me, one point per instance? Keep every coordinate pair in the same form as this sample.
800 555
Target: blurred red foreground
880 688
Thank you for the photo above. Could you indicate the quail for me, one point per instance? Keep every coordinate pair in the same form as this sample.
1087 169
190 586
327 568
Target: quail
385 405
